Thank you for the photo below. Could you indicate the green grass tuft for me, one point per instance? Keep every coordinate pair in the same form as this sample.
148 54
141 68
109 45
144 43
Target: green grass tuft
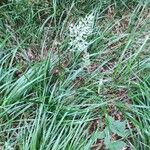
80 89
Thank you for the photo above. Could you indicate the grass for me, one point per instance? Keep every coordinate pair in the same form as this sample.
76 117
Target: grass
55 97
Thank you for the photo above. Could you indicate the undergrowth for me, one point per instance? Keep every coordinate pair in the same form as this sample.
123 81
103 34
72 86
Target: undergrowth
74 75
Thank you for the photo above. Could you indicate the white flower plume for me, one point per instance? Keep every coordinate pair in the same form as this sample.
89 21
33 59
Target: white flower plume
80 32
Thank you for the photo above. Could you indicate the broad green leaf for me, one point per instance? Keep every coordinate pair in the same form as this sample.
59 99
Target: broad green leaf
117 145
118 127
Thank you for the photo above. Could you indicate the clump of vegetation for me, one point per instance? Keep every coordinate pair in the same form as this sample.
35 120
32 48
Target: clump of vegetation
74 75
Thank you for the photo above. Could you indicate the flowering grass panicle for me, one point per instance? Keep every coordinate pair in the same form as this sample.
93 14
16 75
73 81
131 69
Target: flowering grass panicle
80 32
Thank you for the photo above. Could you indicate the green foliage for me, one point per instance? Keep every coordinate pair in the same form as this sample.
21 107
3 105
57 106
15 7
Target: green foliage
117 145
52 98
117 127
114 127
